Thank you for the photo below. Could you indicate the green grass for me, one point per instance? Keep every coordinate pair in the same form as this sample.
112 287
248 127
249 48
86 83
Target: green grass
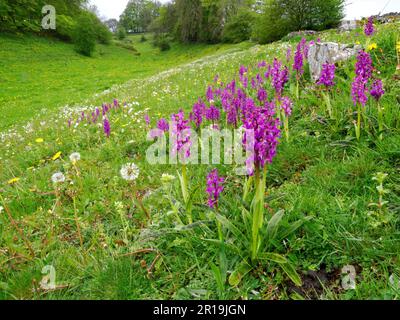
45 74
323 174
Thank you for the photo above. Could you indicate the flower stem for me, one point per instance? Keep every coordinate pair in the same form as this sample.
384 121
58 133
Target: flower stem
258 211
286 126
358 128
78 228
380 121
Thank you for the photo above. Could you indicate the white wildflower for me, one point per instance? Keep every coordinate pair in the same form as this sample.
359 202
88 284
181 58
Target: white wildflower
75 157
1 209
167 178
58 177
130 172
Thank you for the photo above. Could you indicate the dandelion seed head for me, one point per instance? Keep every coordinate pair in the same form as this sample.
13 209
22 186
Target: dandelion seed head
130 172
75 157
58 177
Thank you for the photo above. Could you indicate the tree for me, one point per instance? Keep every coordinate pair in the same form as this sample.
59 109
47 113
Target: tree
239 27
26 15
190 17
283 16
85 35
112 24
166 22
139 14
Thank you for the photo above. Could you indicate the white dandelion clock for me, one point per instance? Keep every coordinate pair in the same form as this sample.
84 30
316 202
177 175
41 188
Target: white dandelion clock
58 177
75 157
167 178
130 172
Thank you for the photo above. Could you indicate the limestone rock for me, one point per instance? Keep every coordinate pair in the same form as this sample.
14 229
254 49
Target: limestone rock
348 25
320 53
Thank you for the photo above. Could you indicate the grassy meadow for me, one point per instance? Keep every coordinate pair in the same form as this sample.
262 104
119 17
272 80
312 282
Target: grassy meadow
41 74
108 238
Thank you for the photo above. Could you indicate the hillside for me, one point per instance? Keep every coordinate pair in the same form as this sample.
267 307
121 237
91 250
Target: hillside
110 238
44 74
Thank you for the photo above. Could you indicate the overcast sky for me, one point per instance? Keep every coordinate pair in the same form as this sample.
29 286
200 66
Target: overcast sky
355 9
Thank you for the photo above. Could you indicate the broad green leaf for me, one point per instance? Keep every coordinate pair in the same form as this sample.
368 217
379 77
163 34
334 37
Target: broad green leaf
293 227
291 273
231 227
275 257
217 275
236 277
273 224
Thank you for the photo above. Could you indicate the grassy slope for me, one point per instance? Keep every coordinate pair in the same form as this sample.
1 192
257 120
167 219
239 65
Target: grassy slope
38 73
319 174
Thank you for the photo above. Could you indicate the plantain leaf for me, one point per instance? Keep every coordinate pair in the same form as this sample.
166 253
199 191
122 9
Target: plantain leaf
236 277
291 273
293 227
231 227
275 257
273 224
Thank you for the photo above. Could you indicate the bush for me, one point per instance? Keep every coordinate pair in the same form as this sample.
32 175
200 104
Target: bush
84 35
121 33
283 16
239 28
65 27
164 45
269 26
143 39
161 41
104 35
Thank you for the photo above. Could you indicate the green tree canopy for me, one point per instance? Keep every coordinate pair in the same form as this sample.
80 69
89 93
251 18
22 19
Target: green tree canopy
139 14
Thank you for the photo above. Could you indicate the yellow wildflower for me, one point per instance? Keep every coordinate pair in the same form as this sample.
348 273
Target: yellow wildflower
13 180
39 140
56 156
372 46
398 46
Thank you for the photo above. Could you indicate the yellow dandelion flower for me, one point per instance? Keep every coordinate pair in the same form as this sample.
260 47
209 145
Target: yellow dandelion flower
398 46
372 46
39 140
56 156
13 180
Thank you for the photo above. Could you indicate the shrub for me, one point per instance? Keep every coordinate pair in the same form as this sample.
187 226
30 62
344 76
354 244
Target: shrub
269 27
65 27
164 45
104 35
283 16
239 28
121 33
143 38
84 35
161 41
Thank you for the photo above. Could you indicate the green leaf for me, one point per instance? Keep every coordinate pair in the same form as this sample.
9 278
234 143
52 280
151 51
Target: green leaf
236 277
275 257
293 227
291 273
218 276
231 227
273 224
228 246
